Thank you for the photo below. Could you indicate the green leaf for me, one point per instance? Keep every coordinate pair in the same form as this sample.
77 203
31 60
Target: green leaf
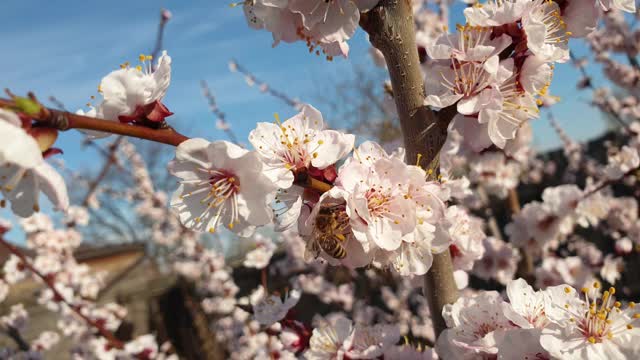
27 106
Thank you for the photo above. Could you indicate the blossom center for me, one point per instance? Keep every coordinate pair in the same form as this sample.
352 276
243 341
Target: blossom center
483 329
377 202
555 28
296 152
600 323
469 78
221 189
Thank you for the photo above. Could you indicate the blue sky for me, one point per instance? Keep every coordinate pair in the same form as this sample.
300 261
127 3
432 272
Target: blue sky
65 48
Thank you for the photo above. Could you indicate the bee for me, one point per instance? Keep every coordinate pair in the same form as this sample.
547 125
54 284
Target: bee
328 234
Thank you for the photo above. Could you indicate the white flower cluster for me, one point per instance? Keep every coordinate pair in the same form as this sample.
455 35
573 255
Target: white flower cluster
556 323
378 210
327 24
497 68
546 224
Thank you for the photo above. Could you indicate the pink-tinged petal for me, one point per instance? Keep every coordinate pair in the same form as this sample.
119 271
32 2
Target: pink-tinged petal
356 255
24 196
339 25
308 118
335 146
162 77
10 117
193 150
18 147
535 75
52 185
470 105
491 65
293 206
336 48
474 134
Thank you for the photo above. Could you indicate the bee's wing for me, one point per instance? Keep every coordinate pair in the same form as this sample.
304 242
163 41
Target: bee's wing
311 250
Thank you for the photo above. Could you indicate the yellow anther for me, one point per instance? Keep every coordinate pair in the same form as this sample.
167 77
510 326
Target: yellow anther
212 230
592 339
567 289
629 326
596 285
315 155
231 225
320 142
139 68
617 304
142 57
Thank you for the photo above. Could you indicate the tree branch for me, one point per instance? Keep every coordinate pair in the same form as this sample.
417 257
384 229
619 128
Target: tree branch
525 265
111 339
391 29
111 159
15 335
62 120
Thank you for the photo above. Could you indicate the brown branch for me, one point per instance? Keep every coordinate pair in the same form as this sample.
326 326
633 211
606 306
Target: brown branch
49 282
391 29
525 265
491 218
303 179
15 335
62 120
111 159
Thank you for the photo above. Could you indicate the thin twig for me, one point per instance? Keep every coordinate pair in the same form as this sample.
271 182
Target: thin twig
110 160
213 106
59 104
165 15
263 86
589 83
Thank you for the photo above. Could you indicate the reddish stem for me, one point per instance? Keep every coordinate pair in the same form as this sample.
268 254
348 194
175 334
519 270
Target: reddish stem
63 120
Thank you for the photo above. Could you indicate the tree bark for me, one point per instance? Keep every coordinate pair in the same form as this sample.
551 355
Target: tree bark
392 31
